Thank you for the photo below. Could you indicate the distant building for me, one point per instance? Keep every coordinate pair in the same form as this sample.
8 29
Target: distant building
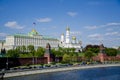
32 38
37 40
70 42
2 44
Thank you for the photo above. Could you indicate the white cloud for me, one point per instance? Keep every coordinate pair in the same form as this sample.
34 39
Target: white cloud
94 36
72 14
91 27
75 33
112 33
14 25
109 29
113 24
3 34
44 20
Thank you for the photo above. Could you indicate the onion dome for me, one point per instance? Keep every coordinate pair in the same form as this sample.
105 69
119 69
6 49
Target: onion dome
73 38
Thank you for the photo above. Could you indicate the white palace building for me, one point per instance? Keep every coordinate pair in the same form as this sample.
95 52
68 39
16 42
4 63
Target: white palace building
33 38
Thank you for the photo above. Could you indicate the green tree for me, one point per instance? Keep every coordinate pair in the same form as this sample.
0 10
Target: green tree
26 55
18 48
66 58
31 48
68 50
118 50
40 52
32 51
74 57
93 48
23 48
57 53
72 49
111 51
88 54
12 53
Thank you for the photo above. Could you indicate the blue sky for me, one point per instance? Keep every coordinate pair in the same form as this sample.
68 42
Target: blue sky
92 21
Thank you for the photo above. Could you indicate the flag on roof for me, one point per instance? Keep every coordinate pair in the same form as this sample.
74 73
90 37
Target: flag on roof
34 23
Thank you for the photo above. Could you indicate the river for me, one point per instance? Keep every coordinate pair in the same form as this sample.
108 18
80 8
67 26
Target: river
103 73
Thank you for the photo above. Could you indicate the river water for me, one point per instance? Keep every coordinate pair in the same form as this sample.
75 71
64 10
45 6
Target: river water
104 73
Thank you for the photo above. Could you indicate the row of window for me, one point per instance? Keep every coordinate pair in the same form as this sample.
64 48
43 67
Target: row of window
35 42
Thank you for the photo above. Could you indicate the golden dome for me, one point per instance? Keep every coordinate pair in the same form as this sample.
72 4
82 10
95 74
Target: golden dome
33 32
73 38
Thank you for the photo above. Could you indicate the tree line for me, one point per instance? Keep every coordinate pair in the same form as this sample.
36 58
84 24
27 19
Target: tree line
25 52
67 53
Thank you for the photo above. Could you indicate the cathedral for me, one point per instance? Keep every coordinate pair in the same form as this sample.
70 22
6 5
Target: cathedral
67 41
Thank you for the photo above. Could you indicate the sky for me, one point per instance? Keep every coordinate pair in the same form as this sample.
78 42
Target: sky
91 21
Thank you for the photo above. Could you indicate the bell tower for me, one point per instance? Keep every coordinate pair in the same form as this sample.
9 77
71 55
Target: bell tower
67 35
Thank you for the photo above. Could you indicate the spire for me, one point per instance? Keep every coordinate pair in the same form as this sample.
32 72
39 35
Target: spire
67 28
62 34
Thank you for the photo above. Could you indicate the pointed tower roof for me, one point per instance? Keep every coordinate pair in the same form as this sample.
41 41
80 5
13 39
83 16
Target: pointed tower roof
62 34
67 28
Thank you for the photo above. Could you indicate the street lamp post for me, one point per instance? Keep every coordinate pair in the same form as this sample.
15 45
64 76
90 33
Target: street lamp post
7 63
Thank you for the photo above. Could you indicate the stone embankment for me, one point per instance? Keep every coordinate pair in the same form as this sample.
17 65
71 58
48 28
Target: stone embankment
21 73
